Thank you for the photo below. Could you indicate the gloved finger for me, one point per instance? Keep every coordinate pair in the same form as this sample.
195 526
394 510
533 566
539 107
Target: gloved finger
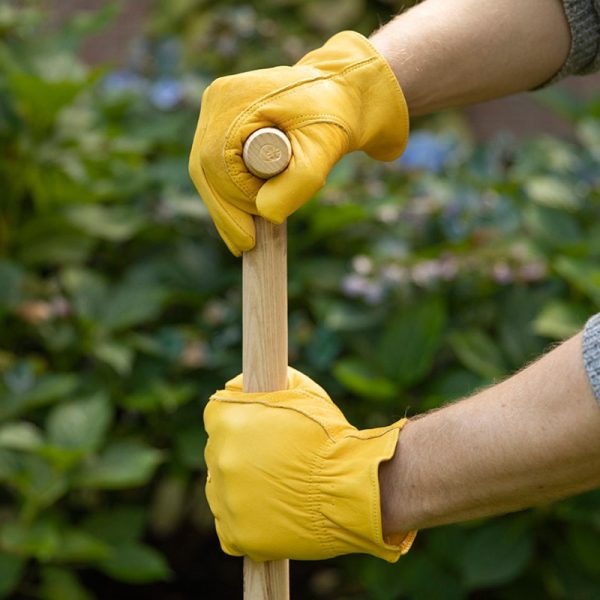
302 396
315 150
296 380
234 225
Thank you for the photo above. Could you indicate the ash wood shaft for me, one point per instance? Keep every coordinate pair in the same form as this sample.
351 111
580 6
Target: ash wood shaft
265 348
267 152
265 354
265 341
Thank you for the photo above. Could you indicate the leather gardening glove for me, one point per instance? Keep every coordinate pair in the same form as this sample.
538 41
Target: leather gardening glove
338 98
289 477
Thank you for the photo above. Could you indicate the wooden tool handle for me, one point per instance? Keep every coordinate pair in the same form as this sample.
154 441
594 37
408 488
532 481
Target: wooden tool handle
265 345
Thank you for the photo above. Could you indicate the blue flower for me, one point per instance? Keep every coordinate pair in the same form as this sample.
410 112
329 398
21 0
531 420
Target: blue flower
123 81
166 93
426 151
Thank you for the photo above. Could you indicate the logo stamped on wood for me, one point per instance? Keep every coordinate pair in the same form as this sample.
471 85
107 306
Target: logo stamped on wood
270 153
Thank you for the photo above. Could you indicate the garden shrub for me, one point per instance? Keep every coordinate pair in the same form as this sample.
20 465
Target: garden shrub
411 284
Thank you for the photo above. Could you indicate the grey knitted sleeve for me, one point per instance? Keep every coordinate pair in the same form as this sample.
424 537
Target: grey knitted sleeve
591 353
584 20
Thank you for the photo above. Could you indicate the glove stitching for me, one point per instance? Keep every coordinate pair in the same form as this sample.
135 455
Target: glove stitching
216 399
398 425
225 208
297 391
321 533
313 119
319 522
278 94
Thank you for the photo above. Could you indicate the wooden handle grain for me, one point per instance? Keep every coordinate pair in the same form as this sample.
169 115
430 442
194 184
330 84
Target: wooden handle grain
267 152
265 339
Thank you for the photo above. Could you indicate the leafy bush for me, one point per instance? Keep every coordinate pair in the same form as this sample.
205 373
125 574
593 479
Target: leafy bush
411 284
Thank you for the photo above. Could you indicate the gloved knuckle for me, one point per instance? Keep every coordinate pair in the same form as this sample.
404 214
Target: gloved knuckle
228 462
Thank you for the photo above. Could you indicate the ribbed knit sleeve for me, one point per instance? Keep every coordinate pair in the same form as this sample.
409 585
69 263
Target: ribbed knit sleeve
591 353
584 20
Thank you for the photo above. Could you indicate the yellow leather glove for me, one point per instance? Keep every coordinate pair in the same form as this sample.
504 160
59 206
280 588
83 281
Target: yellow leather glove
289 477
338 98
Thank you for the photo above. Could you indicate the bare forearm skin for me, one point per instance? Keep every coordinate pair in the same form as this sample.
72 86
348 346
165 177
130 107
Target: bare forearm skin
448 53
531 439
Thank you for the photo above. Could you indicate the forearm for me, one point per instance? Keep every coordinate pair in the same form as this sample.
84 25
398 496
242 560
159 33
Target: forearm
530 439
449 53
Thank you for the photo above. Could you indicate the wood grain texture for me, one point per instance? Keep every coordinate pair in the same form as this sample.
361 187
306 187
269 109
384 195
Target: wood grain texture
265 358
267 152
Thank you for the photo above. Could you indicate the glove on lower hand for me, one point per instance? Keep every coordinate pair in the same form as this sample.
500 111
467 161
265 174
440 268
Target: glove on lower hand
338 98
289 477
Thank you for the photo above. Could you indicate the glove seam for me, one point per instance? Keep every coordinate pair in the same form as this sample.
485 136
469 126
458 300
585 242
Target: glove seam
269 405
312 119
320 522
236 125
226 210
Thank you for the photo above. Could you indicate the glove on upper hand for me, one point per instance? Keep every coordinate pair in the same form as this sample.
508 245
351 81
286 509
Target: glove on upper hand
338 98
289 477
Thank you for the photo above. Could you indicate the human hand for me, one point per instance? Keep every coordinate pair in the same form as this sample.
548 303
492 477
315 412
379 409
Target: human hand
339 98
289 477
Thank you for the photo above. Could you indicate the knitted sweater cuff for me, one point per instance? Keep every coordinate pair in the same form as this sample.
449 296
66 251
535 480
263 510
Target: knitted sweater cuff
591 353
584 21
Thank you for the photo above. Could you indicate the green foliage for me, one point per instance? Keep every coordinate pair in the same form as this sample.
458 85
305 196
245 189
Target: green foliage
411 284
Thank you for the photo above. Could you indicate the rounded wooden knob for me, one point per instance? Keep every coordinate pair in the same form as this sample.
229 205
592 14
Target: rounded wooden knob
267 152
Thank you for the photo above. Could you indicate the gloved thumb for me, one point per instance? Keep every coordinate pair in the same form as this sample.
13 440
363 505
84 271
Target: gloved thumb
315 150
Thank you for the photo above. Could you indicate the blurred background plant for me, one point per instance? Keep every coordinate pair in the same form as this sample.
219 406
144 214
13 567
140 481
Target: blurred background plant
411 284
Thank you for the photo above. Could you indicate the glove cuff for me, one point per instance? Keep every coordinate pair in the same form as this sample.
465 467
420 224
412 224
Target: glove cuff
381 120
347 492
384 111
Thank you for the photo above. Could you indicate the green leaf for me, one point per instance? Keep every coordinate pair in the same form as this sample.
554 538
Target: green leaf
478 352
159 395
46 390
11 279
136 563
61 584
559 320
118 356
39 483
80 425
116 526
583 275
425 579
341 316
588 131
450 385
48 242
189 445
331 220
410 342
39 540
78 546
131 304
555 228
553 192
497 553
122 465
357 377
20 436
88 291
11 570
38 100
9 465
112 223
585 543
516 336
